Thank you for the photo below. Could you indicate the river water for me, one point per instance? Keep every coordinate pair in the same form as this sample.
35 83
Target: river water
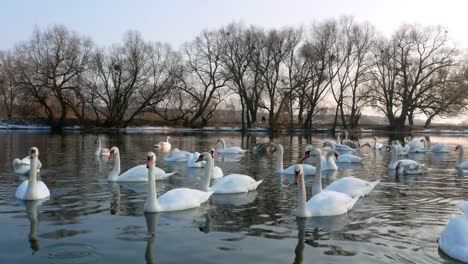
90 220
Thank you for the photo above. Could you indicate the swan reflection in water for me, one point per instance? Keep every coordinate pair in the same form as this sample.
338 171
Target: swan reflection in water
31 213
327 224
151 224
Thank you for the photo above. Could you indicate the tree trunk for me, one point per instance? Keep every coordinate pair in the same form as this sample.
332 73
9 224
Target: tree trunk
428 122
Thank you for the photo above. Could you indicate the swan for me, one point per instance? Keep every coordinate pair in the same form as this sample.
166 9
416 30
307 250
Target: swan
308 169
352 186
328 162
32 189
164 145
410 168
217 171
191 161
376 145
22 166
348 158
401 151
99 150
436 148
415 145
137 173
344 147
322 203
461 164
177 155
453 240
173 200
232 183
347 142
394 162
230 150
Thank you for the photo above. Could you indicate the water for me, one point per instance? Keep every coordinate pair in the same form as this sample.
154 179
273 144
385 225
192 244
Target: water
89 220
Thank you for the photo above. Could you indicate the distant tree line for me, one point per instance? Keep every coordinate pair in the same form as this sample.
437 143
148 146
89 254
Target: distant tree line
417 71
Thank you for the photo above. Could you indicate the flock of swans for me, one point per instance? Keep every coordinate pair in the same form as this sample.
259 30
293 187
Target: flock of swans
337 198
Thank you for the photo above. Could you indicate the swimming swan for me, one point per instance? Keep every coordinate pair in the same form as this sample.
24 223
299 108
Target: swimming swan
453 240
232 183
32 189
308 169
461 164
137 173
173 200
100 151
230 150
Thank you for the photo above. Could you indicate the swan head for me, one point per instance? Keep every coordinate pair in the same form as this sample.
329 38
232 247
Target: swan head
205 156
298 173
332 153
113 151
97 140
328 144
278 149
213 152
423 140
310 151
391 148
34 152
150 160
458 147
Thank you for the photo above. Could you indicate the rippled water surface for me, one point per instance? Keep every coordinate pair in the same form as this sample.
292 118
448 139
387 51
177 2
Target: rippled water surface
90 220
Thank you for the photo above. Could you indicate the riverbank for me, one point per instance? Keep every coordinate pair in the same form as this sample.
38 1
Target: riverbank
37 124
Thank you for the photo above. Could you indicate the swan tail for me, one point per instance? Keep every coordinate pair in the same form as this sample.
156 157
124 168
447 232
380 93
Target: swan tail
463 206
255 184
169 174
355 199
16 162
372 186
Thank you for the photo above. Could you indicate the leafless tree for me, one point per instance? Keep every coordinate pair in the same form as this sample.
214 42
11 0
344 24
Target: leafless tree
9 88
48 65
204 77
131 78
352 47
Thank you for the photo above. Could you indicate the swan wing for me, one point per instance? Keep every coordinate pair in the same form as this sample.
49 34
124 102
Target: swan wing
137 173
352 186
40 191
329 203
235 183
350 158
182 198
454 238
308 170
217 173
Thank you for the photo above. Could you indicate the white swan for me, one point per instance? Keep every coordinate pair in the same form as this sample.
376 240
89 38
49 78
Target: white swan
404 168
100 151
376 145
232 183
322 203
348 158
328 162
351 186
394 162
217 171
230 150
164 145
461 163
401 151
453 240
32 189
344 147
347 142
416 146
308 169
22 166
137 173
191 162
173 200
177 155
436 148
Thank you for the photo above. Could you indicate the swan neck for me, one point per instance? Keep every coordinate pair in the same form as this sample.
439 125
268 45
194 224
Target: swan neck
115 168
167 139
208 173
317 185
461 153
152 199
394 159
301 196
223 143
331 165
279 160
33 172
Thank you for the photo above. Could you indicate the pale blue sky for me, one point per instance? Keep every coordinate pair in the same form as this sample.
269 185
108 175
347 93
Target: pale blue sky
178 21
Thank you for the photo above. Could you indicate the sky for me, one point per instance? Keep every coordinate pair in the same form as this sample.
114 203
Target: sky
177 21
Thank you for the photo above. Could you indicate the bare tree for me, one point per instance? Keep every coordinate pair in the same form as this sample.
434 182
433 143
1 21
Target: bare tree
131 78
48 65
9 88
204 76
